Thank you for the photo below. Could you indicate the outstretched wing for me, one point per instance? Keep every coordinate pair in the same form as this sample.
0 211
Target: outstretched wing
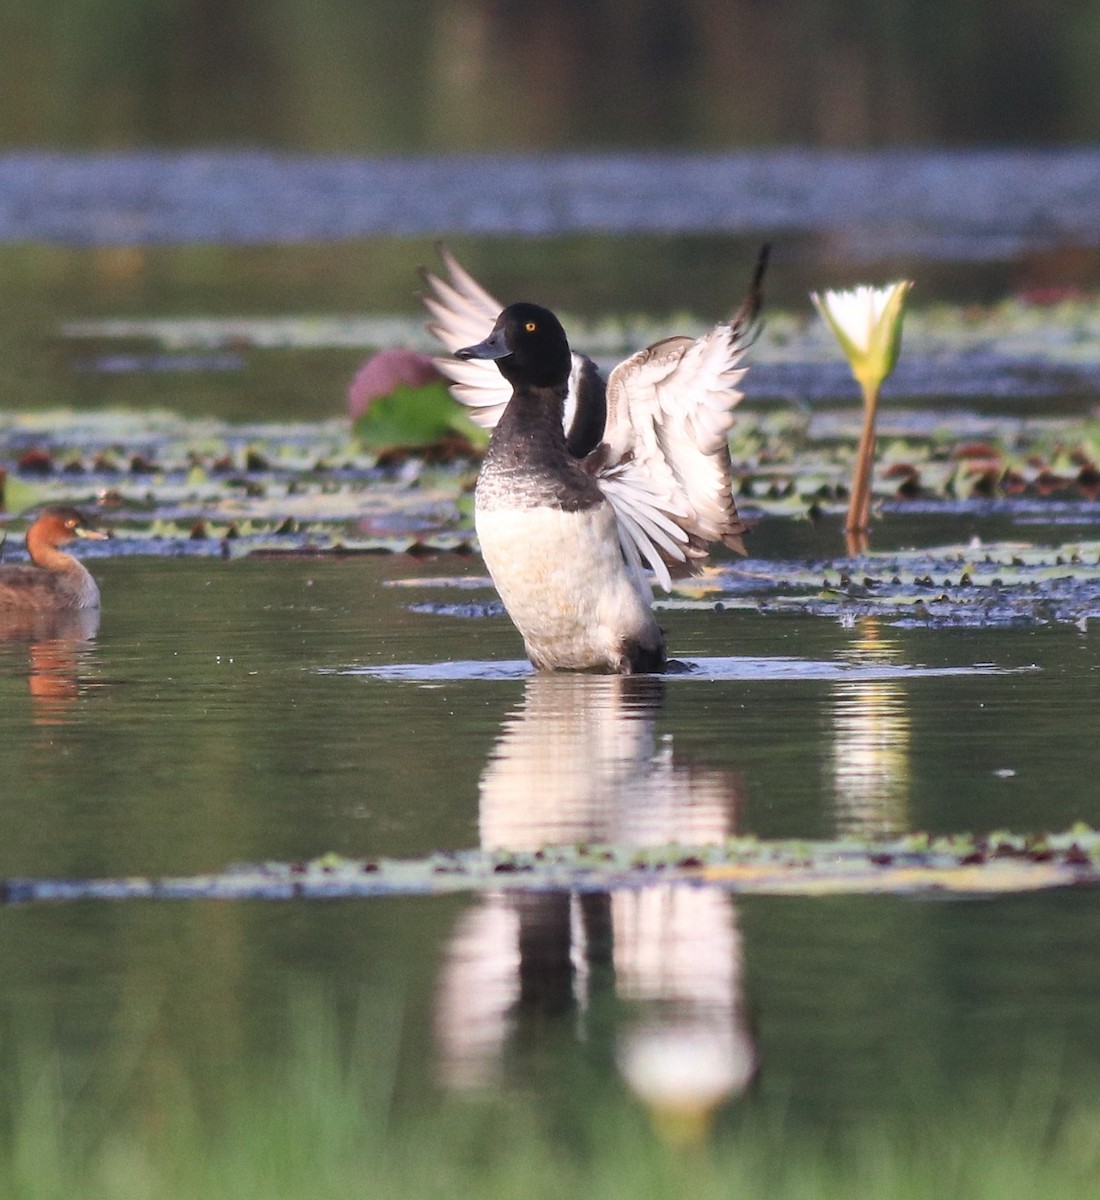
664 460
462 314
665 457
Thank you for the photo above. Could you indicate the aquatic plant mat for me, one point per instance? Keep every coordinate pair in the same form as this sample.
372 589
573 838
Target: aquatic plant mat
988 458
172 487
958 864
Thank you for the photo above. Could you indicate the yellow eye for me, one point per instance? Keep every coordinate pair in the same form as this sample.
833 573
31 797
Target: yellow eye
530 327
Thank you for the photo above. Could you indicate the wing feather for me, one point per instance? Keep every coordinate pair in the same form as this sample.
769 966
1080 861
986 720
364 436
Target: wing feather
463 313
669 415
650 526
664 460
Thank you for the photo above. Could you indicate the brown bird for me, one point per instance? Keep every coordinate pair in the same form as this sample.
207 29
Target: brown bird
53 581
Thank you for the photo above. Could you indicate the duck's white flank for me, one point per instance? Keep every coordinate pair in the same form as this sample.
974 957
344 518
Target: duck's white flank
565 584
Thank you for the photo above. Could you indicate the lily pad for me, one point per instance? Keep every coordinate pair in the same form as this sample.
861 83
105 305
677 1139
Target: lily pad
914 865
979 584
416 418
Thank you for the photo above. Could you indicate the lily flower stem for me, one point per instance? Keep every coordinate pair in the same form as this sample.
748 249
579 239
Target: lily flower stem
859 503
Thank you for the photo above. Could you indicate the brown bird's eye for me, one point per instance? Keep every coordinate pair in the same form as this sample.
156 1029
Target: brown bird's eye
530 327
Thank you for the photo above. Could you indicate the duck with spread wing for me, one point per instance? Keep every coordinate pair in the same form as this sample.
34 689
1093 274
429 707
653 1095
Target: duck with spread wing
586 484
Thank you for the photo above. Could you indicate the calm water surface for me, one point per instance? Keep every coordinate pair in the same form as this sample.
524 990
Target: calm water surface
221 714
234 711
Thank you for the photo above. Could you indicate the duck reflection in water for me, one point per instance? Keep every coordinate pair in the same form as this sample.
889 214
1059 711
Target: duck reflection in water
52 606
579 762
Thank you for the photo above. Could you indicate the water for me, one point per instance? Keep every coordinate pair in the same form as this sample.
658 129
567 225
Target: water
231 711
235 707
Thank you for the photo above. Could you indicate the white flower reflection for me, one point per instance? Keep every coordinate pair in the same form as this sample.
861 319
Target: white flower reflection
870 763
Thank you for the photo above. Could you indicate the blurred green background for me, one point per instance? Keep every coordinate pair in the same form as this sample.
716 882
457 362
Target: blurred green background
370 76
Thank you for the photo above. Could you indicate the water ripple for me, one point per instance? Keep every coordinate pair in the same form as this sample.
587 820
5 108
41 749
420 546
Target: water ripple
734 668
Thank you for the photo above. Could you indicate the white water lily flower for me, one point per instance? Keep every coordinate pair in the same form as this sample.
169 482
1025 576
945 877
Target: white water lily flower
867 323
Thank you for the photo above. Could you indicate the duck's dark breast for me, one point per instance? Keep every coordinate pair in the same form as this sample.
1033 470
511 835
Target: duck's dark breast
528 466
508 483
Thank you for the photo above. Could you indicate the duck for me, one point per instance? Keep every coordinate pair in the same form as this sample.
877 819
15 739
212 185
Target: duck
590 483
53 581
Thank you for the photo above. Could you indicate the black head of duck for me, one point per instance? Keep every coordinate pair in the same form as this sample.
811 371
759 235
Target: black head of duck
528 345
461 311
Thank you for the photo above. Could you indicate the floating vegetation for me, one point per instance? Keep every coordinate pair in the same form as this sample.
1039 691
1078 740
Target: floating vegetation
798 464
1016 331
171 487
788 463
399 479
979 584
918 864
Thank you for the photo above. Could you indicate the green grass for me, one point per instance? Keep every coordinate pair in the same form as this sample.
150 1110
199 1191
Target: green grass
325 1124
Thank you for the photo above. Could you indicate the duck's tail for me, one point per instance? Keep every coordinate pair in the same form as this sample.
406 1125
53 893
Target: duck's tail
746 321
